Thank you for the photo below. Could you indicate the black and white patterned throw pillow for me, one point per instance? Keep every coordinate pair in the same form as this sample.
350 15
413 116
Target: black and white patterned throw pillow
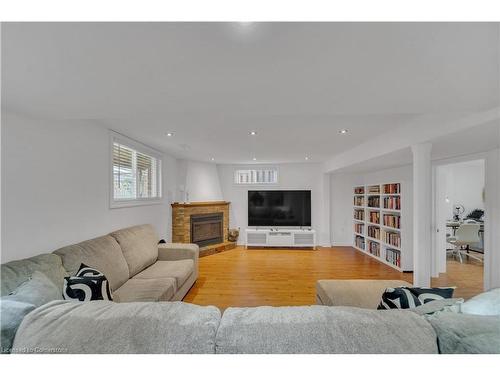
88 284
409 298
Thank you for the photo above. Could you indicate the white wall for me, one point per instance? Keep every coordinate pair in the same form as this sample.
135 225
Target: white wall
200 180
55 187
492 220
341 205
296 176
464 185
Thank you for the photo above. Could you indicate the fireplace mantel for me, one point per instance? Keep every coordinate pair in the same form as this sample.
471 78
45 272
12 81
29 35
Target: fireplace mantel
200 204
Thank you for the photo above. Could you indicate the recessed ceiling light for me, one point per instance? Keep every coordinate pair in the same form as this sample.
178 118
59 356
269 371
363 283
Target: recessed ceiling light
253 132
170 134
212 159
254 159
307 158
343 131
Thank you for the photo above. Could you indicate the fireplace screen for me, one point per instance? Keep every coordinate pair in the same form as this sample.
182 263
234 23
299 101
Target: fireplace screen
207 229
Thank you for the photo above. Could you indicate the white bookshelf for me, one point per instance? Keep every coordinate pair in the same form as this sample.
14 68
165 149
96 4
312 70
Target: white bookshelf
373 235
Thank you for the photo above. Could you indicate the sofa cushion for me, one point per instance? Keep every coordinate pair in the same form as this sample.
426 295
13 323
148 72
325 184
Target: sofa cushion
466 334
355 293
139 245
180 270
145 290
323 329
487 303
102 253
15 273
108 327
12 314
37 291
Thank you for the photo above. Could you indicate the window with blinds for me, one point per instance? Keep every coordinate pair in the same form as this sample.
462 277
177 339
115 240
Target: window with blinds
256 176
136 174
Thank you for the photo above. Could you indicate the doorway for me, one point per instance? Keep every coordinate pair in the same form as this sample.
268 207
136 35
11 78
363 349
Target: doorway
458 249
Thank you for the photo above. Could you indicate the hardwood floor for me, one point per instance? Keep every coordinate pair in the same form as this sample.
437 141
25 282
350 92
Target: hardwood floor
284 277
467 277
279 277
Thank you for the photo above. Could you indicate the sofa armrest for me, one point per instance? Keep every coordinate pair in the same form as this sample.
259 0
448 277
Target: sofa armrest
178 251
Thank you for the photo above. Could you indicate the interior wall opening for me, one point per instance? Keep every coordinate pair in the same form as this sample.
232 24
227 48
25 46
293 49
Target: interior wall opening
459 225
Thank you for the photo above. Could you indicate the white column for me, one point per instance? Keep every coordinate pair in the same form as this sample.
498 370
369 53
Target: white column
492 220
422 211
325 236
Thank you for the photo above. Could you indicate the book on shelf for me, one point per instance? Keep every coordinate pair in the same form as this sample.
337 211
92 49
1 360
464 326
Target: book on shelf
392 189
373 232
374 201
374 217
359 201
393 221
359 190
374 189
392 203
359 228
392 238
374 248
359 241
359 215
393 256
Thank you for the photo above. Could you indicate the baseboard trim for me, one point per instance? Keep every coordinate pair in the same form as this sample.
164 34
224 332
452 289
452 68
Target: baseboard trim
342 244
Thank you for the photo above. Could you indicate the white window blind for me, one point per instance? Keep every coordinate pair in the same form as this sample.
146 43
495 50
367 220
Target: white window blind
136 174
256 176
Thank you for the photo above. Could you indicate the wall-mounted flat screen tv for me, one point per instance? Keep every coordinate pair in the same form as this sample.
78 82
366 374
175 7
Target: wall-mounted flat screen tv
279 208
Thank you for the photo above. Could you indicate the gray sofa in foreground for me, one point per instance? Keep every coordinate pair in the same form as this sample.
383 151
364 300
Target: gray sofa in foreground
176 327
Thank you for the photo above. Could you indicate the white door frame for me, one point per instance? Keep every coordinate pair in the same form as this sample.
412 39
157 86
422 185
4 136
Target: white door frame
435 253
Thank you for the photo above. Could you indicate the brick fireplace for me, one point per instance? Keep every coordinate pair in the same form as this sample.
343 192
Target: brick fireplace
204 223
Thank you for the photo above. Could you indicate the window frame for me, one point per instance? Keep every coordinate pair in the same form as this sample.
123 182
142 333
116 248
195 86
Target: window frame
275 169
143 149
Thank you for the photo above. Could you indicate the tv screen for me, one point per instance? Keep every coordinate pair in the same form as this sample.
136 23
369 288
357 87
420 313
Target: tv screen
279 208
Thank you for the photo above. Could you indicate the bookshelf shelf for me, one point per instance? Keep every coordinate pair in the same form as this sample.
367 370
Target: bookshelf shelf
391 228
375 216
391 246
389 210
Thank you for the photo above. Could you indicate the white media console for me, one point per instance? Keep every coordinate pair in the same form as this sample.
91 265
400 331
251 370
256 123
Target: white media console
280 237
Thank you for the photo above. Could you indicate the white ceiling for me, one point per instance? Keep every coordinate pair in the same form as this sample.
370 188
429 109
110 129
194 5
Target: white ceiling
296 84
474 140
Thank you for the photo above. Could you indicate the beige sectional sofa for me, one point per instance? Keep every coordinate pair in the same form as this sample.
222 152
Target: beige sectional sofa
137 267
146 274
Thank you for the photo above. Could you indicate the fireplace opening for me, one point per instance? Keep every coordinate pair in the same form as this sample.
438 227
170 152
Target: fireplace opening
207 229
